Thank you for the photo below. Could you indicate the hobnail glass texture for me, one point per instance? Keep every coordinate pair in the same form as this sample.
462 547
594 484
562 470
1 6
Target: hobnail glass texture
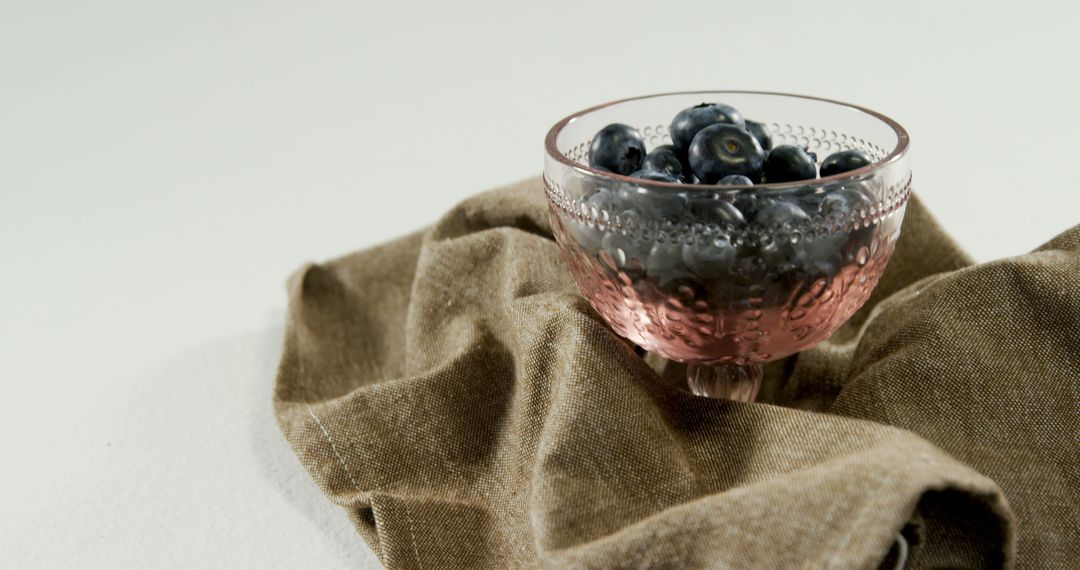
727 278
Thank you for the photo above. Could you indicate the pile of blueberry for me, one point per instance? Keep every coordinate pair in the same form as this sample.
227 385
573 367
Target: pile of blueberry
749 234
713 144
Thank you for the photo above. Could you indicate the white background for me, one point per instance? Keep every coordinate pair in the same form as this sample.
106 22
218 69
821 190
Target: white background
164 166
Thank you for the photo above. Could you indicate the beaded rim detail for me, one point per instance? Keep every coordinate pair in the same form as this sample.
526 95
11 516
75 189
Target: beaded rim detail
818 226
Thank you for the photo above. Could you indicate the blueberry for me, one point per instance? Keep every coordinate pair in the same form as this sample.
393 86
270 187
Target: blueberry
717 211
735 180
749 269
844 161
838 204
787 163
657 176
655 204
820 255
779 257
846 204
665 158
665 263
722 150
618 148
760 133
748 202
709 257
688 122
781 215
776 226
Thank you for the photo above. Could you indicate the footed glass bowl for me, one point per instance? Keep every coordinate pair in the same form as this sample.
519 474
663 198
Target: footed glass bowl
726 278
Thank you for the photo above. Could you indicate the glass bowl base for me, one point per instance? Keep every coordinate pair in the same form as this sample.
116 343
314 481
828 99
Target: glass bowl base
728 381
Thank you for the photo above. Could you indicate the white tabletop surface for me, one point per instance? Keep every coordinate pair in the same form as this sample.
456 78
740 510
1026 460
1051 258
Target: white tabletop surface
164 166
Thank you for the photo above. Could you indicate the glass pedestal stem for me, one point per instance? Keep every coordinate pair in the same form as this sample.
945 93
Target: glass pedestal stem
729 381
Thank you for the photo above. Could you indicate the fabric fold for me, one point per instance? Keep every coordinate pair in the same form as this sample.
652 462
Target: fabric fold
454 393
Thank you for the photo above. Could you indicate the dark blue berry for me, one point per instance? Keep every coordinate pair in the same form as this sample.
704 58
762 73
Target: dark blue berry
716 211
841 208
618 148
840 203
760 133
655 204
781 215
657 176
722 150
665 158
688 122
665 263
709 257
751 267
749 202
787 163
820 255
735 180
777 225
844 161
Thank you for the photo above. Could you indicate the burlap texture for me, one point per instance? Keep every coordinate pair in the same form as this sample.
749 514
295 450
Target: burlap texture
453 392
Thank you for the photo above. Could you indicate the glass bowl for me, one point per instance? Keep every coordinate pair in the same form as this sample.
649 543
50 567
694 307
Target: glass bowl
726 278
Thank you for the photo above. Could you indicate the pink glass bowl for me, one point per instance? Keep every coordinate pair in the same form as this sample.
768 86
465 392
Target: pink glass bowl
727 278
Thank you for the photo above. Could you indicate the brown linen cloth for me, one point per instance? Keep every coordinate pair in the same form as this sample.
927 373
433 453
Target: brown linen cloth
454 393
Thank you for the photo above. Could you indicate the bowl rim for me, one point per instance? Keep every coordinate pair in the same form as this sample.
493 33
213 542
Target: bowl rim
895 155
